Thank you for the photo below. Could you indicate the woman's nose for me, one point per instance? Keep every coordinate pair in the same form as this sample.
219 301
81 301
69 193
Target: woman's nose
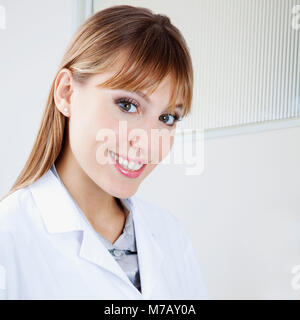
139 148
151 144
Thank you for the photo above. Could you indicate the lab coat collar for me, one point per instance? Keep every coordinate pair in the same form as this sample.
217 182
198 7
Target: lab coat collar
60 214
55 204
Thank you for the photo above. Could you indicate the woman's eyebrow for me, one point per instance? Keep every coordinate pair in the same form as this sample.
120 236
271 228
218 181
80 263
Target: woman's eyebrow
146 98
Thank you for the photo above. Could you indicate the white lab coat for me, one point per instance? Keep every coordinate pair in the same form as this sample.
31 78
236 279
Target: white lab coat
48 252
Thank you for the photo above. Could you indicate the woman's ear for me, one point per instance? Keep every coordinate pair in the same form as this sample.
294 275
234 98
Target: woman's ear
63 89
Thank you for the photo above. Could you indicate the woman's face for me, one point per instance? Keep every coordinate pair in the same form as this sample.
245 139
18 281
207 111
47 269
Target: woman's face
98 118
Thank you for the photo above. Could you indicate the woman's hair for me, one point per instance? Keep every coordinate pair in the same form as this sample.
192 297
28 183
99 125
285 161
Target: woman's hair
153 47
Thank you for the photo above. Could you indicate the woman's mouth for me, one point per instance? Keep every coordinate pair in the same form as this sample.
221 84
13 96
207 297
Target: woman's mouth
129 169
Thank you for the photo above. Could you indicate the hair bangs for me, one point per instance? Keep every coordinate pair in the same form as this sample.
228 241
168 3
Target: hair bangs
147 63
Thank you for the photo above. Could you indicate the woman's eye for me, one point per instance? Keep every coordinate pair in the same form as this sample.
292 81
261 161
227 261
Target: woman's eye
131 106
127 105
169 119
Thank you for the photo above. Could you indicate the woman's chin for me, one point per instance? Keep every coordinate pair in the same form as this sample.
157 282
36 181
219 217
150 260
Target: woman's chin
121 191
122 194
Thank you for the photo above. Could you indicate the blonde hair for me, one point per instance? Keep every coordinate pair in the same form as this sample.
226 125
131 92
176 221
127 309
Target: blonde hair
154 47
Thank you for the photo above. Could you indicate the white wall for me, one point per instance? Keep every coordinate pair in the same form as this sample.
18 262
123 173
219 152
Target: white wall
31 47
242 211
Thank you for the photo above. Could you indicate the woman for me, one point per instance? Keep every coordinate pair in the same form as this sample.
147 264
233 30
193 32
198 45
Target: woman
71 226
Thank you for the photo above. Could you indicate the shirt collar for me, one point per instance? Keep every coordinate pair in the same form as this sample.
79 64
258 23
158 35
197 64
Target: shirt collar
59 210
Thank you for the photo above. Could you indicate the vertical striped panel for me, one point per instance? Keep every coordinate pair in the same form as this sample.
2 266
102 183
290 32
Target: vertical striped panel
246 63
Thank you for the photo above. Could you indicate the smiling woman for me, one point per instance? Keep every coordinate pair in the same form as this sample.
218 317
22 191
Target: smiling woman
124 66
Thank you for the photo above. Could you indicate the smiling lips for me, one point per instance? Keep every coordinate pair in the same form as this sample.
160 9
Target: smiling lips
131 169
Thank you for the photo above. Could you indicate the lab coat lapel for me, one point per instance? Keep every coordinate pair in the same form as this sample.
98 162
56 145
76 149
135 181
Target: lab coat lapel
60 214
94 251
150 255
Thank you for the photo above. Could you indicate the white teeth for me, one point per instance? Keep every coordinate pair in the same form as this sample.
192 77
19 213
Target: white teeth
125 164
132 166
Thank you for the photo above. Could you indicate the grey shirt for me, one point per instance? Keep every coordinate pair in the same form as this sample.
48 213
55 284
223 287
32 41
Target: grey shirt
124 248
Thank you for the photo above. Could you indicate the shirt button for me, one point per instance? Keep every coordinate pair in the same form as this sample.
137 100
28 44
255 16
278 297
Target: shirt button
117 253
